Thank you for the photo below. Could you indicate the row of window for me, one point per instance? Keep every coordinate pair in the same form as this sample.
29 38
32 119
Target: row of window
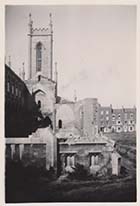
104 112
118 115
118 122
125 129
118 128
126 122
114 118
13 89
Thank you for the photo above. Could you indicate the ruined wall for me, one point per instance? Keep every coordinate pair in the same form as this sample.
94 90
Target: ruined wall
65 114
82 115
34 155
86 116
83 154
94 156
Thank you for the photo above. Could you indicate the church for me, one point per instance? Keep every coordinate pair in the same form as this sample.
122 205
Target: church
66 132
40 83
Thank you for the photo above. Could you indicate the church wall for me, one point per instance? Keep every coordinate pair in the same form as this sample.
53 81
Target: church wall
20 107
43 91
83 115
86 116
89 116
46 100
78 111
65 113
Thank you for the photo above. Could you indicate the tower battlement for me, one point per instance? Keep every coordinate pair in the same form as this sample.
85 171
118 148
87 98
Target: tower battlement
41 31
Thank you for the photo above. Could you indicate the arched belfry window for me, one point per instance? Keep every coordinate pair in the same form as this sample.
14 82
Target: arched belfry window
38 56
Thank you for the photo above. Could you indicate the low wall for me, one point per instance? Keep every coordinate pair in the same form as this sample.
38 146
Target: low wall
39 151
29 154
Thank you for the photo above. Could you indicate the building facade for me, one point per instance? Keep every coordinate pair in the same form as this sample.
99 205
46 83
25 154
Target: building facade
117 120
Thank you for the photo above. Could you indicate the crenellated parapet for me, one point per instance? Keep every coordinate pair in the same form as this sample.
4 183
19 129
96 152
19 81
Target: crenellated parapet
41 31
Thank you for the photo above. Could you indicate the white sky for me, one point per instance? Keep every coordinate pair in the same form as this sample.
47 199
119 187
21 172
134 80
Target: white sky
95 47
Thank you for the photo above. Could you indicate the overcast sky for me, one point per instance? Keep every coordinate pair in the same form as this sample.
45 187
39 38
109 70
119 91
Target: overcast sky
95 47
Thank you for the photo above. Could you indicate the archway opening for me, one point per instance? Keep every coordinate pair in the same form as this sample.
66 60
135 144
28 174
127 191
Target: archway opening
39 104
60 124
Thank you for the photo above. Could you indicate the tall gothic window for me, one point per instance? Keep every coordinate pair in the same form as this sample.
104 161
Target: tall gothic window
38 56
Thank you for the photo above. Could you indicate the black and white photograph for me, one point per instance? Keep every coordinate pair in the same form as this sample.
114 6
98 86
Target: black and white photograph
70 103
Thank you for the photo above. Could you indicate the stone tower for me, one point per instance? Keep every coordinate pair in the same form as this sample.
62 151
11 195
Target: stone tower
40 50
40 82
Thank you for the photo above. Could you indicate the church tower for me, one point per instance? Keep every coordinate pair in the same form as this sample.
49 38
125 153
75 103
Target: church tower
40 50
40 82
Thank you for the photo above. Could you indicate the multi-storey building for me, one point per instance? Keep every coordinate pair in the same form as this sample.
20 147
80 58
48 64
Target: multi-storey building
117 120
104 120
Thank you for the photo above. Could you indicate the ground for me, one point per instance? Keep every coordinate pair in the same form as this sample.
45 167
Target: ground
30 186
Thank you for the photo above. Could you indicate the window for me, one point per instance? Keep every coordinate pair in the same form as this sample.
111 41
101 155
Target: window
38 56
8 86
102 129
107 118
94 160
19 93
113 116
119 116
60 123
39 78
16 91
39 103
70 161
107 112
96 109
102 112
12 89
119 122
131 115
125 121
131 128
